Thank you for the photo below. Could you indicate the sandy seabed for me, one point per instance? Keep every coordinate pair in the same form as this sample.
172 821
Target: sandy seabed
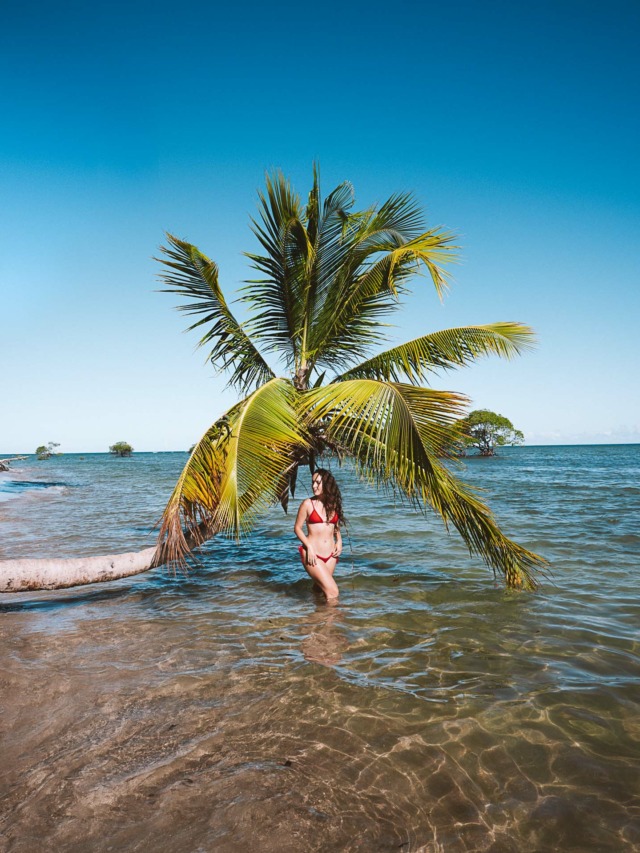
159 733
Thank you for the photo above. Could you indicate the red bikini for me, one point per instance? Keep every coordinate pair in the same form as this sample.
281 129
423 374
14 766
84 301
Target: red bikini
301 549
316 518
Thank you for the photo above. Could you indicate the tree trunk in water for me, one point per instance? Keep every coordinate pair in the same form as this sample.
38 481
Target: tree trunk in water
31 574
4 463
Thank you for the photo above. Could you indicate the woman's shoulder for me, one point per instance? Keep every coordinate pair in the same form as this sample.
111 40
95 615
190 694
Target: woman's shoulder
307 503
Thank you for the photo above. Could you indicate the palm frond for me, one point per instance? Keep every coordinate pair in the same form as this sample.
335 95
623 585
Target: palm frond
397 434
188 518
277 296
267 438
329 248
398 263
235 471
445 349
190 273
368 286
396 221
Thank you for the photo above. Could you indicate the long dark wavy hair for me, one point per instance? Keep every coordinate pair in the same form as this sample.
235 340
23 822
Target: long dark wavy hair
331 497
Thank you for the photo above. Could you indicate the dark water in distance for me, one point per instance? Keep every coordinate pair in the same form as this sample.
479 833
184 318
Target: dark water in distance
431 711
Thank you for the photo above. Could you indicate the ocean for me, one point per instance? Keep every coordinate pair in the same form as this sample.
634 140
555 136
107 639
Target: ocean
230 710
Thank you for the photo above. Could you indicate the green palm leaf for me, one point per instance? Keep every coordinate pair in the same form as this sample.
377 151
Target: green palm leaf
369 285
235 471
446 349
188 518
396 433
277 297
190 273
325 225
267 438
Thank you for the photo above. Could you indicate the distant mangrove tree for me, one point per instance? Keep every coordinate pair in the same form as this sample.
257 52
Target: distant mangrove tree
46 451
487 430
121 448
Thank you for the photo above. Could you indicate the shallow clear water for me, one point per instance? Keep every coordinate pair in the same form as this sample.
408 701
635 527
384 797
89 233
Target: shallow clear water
432 710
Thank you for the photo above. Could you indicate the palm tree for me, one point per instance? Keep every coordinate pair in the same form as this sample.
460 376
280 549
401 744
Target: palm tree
326 276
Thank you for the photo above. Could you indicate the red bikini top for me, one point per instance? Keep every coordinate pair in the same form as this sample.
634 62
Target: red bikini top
315 517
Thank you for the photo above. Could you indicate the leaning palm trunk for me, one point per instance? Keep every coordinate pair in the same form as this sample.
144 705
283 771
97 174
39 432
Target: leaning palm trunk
30 574
25 575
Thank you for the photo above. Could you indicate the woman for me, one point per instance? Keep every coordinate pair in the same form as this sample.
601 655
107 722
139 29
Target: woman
322 544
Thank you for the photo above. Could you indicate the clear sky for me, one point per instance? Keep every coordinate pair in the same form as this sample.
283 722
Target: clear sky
515 124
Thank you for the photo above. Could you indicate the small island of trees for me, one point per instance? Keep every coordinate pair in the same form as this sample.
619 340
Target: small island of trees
121 448
487 430
46 451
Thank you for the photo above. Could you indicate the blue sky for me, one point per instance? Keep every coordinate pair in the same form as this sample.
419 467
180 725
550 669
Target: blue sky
516 125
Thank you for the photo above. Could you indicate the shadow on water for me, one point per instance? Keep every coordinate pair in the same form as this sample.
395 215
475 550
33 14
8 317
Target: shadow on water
63 598
24 485
232 575
220 562
134 588
326 641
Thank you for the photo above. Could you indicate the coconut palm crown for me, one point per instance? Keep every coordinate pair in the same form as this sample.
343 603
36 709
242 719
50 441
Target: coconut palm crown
326 275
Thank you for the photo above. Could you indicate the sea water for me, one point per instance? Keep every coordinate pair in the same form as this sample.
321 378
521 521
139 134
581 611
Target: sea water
230 710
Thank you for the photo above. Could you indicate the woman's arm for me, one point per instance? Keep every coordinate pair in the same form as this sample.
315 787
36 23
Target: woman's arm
337 550
298 529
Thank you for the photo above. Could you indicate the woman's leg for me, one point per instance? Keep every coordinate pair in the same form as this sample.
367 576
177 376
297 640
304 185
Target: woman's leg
322 574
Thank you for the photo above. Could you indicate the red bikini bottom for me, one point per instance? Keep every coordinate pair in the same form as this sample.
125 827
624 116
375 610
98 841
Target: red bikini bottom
302 549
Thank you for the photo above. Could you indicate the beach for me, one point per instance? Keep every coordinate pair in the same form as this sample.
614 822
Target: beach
231 710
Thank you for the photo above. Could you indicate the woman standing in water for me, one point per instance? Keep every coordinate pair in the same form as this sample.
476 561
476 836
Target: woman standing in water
322 545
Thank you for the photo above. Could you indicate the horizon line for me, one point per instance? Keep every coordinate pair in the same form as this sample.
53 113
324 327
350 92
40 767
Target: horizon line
502 447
